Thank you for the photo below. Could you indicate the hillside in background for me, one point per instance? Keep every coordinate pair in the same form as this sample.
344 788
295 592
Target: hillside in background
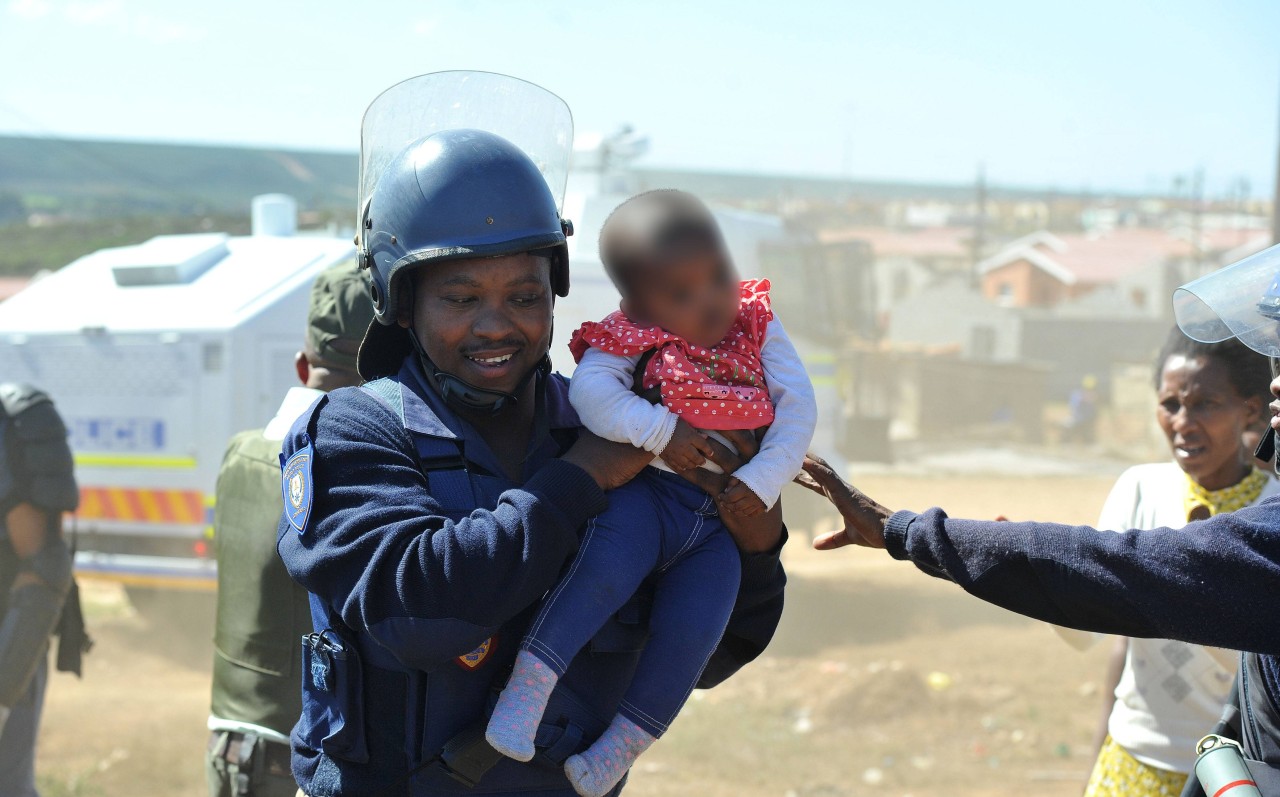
101 179
107 179
63 198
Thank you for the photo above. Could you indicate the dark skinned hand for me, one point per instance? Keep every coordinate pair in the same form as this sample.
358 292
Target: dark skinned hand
739 499
864 519
752 534
610 464
687 449
28 531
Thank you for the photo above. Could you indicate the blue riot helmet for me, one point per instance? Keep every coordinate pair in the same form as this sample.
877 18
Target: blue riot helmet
440 181
452 195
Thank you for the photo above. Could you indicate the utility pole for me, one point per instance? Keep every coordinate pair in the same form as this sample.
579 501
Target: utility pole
979 223
1242 209
1197 220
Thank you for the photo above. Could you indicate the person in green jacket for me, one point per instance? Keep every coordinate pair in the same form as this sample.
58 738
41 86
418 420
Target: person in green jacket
262 613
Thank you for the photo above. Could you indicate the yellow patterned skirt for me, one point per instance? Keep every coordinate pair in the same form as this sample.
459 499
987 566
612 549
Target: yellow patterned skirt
1118 774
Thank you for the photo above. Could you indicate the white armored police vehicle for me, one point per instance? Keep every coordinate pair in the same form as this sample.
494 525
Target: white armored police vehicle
155 355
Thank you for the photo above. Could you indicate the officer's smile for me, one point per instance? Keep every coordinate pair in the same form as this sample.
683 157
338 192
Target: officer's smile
491 360
485 320
493 365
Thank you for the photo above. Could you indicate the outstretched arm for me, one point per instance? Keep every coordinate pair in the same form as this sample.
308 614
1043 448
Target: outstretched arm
1210 583
864 518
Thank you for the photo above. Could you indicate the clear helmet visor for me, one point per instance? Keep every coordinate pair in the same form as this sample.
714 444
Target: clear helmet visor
1239 301
527 115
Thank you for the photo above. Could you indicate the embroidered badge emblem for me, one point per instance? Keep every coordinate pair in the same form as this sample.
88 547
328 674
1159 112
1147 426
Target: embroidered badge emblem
478 656
297 488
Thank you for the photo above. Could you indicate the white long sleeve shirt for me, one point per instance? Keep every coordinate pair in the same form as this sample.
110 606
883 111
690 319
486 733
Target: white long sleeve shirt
601 392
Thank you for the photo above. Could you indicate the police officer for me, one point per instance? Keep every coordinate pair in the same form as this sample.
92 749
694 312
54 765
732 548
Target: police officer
1216 582
37 485
261 613
428 511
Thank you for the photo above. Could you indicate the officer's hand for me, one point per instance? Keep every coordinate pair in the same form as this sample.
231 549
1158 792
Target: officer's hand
610 464
864 519
739 499
752 534
755 534
746 441
715 483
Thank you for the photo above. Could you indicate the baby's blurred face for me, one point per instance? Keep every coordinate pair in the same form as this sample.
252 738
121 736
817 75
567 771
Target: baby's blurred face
693 295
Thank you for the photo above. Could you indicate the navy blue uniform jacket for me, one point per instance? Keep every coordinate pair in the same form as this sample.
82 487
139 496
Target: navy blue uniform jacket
434 563
1213 582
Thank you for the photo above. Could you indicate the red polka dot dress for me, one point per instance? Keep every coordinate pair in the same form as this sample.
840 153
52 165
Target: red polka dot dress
722 387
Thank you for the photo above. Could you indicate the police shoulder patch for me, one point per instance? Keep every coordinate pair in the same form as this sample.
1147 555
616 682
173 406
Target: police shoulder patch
298 488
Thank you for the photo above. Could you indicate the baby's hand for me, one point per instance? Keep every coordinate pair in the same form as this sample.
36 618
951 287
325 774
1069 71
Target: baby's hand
739 499
687 449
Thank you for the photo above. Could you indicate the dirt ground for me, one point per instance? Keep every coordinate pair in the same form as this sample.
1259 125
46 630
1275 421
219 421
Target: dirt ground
881 681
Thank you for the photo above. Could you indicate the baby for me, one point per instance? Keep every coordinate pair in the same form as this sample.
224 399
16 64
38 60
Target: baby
710 346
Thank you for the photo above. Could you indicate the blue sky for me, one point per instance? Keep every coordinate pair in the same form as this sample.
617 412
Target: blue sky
1119 95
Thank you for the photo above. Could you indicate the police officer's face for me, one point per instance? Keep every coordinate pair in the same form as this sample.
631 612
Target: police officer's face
485 320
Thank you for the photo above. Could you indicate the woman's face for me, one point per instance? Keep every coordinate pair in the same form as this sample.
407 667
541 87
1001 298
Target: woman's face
1204 419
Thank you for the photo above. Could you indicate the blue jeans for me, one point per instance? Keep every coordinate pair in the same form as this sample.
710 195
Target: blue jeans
18 742
657 524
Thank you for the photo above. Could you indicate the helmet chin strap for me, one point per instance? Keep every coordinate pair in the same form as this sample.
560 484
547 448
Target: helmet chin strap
461 395
1267 449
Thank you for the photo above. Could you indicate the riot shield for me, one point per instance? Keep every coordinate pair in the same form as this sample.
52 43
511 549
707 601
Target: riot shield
527 115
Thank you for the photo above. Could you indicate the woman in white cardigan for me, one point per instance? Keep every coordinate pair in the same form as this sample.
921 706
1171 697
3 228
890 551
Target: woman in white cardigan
1169 694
